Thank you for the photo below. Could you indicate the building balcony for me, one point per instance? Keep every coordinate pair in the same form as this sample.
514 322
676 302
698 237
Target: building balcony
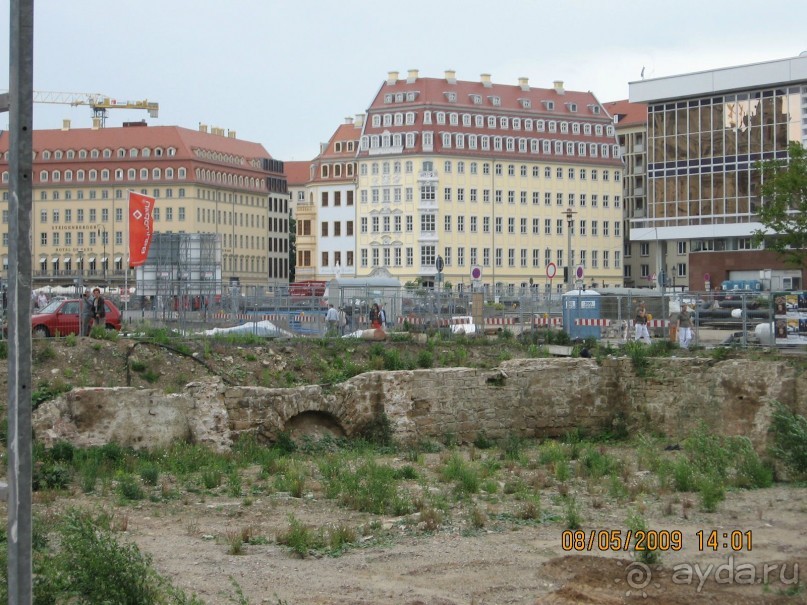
427 175
638 191
392 150
427 237
638 148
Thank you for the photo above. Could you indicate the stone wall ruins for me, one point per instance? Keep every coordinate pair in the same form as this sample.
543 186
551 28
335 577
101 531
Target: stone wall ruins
525 397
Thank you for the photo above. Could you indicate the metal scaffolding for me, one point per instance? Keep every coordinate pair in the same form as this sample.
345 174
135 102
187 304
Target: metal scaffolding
182 273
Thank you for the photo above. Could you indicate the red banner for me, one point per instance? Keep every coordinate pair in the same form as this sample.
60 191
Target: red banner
140 227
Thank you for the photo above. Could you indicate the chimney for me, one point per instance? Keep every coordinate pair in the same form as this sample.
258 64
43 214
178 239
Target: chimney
451 76
392 78
231 134
348 120
96 123
412 77
486 80
65 125
202 127
524 83
559 87
359 121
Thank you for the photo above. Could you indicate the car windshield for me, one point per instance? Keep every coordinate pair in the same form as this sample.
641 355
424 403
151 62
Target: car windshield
51 306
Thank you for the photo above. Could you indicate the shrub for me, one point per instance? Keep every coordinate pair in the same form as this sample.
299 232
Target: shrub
789 438
637 523
425 359
299 538
129 488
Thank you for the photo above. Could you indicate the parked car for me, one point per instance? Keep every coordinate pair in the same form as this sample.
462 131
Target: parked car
62 317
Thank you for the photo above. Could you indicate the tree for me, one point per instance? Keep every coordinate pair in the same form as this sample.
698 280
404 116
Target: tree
784 210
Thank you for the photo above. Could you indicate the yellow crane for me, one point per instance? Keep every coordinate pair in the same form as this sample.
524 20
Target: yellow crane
99 103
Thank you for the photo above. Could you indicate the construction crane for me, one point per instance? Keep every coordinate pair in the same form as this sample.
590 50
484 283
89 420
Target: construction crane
99 103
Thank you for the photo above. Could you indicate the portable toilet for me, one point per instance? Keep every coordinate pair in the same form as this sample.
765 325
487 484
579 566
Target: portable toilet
581 314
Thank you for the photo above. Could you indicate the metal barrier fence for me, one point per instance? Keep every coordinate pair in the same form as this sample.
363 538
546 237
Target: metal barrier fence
725 315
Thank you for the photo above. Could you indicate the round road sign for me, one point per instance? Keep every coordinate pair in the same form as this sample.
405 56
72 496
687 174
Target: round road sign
579 272
476 272
551 270
707 277
438 264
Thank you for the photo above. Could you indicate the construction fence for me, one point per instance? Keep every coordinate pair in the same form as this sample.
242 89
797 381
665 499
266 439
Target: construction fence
728 317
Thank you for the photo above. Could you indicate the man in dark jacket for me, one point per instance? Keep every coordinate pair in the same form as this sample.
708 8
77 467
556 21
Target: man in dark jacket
98 308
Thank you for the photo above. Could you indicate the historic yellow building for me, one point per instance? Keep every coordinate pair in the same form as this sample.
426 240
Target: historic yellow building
203 181
488 179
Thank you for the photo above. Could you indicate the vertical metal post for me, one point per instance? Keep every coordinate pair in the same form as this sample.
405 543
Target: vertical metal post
21 72
569 226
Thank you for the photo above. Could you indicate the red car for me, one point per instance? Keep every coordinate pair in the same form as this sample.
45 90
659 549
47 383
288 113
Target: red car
61 317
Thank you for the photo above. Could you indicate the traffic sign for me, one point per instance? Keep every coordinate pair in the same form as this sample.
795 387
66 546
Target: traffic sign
439 264
551 270
579 272
653 277
476 272
707 277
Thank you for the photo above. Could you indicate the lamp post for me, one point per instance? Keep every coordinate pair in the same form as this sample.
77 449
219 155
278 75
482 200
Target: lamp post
569 226
102 233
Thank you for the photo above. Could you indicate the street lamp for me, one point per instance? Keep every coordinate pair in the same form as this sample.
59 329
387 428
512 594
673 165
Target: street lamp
569 226
103 235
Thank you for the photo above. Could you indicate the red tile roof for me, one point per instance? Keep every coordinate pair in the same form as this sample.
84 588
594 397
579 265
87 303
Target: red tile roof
432 94
343 134
184 140
627 113
297 173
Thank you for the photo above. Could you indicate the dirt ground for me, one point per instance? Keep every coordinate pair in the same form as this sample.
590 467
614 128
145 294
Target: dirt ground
399 562
404 560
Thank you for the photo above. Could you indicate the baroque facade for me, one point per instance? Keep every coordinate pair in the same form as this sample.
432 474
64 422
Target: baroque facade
204 181
486 179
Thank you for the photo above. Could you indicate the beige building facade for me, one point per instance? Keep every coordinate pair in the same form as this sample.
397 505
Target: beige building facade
495 181
204 181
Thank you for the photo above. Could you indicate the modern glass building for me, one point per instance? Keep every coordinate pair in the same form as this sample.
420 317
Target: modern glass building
706 133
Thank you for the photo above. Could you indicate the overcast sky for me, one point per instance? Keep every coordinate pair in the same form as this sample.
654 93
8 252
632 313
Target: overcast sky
286 73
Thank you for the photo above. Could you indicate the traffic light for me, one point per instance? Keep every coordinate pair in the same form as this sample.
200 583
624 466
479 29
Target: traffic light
565 275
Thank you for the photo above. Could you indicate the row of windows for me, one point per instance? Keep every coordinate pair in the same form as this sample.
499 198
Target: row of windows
334 229
328 259
83 154
335 196
92 175
645 273
337 170
428 193
473 168
483 142
502 122
537 226
93 194
397 256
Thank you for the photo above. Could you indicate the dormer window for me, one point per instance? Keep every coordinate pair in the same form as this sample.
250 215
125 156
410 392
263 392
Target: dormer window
595 109
411 96
388 98
476 99
572 107
549 105
451 97
495 101
337 147
525 103
399 97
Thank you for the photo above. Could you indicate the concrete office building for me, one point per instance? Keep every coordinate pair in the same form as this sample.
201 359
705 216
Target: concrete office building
482 175
640 260
706 132
205 181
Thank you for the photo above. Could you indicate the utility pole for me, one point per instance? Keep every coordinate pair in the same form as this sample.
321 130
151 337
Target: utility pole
20 102
569 226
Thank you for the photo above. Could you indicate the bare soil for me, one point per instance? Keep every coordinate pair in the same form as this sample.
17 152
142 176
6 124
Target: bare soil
480 550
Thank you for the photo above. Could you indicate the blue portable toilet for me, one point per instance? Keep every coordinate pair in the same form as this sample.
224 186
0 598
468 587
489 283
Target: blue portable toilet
581 305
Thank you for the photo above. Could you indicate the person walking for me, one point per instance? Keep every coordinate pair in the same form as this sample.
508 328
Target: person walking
640 324
332 319
375 316
684 327
98 308
86 311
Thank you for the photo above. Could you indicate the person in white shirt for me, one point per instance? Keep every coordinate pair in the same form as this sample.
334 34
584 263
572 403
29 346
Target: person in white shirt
332 318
